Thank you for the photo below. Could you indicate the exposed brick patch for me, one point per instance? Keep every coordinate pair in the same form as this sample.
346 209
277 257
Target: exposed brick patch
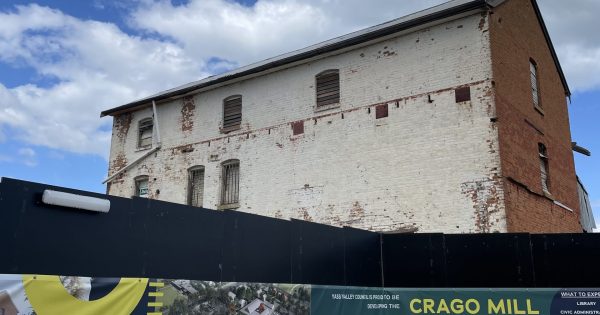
187 113
484 195
121 125
304 215
482 21
116 164
357 211
182 149
388 53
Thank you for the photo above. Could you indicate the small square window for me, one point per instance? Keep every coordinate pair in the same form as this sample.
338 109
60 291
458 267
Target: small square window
141 187
381 111
462 94
297 128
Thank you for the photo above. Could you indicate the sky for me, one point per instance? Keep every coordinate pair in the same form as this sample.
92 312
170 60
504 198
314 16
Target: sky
62 62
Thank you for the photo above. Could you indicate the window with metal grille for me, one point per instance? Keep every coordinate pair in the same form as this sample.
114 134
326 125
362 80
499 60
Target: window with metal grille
141 186
328 87
544 167
145 133
230 189
196 186
232 113
535 92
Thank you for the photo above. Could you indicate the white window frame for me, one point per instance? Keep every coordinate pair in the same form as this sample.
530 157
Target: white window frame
535 84
138 181
544 168
145 125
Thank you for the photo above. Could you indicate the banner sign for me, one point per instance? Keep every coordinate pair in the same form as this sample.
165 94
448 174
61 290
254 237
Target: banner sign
62 295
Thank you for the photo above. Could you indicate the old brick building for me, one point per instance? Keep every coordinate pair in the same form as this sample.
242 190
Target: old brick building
453 119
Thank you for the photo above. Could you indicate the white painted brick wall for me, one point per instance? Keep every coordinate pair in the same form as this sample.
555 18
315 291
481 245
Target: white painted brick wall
428 166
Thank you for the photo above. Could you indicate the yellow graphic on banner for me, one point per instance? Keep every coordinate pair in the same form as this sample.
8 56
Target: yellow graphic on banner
48 296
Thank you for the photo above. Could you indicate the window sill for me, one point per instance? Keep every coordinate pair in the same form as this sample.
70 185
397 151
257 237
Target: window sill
230 129
539 109
560 204
228 206
548 195
326 107
140 149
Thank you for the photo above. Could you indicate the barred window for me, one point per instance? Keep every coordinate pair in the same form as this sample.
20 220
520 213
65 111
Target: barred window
328 87
230 189
145 127
232 113
141 186
535 91
544 169
196 186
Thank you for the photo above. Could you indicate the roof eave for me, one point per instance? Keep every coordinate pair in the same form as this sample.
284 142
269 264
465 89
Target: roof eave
462 8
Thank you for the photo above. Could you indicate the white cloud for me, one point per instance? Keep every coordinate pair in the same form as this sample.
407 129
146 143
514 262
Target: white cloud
98 66
234 32
246 34
26 152
573 26
241 34
5 158
27 156
56 155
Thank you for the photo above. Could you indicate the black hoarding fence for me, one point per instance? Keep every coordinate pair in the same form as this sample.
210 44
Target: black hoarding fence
149 238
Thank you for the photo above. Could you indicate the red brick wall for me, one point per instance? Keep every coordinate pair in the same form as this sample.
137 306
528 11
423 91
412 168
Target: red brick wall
516 36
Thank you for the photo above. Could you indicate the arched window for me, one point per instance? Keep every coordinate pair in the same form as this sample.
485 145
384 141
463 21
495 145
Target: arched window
535 90
328 87
141 186
232 113
230 179
196 186
145 127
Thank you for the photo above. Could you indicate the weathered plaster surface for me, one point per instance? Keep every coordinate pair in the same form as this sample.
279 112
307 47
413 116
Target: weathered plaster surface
432 165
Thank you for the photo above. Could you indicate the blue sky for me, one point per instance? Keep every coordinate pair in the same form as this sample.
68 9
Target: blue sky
62 62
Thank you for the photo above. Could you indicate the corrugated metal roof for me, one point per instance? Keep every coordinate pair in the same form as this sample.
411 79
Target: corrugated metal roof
441 11
434 13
